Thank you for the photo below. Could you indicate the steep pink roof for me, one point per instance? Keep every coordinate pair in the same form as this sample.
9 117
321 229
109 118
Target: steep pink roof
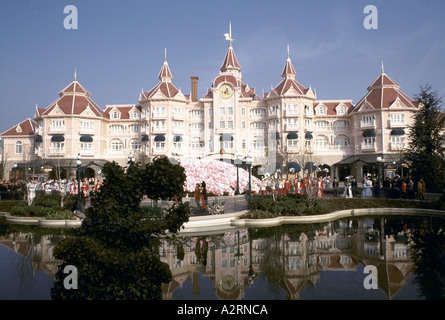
165 73
288 68
74 99
167 89
230 61
24 128
73 88
384 80
383 92
164 86
286 84
289 81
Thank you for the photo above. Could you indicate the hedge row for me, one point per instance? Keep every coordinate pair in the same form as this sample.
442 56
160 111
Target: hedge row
289 205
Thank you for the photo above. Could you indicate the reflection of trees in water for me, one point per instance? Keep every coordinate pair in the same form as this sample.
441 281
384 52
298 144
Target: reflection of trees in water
23 263
428 253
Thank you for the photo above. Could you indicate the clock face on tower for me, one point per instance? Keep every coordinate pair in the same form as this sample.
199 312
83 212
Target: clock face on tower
225 91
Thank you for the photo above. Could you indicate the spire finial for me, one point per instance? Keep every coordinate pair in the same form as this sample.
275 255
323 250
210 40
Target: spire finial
382 68
75 74
165 54
288 51
229 35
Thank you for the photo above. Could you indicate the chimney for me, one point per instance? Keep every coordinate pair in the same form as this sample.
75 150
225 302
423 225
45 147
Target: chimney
194 88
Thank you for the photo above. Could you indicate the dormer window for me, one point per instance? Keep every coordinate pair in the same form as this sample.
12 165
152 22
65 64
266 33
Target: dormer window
115 115
320 110
134 115
341 110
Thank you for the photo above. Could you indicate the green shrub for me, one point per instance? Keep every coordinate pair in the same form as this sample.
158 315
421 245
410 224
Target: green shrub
70 202
289 205
47 200
152 211
58 215
20 210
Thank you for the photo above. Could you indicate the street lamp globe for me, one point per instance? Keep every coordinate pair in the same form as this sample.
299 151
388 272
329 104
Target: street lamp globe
78 161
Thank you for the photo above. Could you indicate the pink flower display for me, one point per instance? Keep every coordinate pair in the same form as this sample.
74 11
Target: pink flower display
220 176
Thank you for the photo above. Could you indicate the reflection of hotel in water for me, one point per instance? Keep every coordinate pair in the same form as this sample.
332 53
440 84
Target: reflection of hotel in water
300 259
232 258
36 249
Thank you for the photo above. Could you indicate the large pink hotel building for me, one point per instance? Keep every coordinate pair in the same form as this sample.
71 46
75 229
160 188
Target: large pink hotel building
231 120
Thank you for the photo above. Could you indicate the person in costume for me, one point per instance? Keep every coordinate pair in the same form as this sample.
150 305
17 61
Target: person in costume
348 192
320 186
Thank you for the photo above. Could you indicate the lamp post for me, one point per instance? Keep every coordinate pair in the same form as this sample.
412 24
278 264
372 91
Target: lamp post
15 172
237 163
238 254
78 162
380 161
251 274
249 165
130 159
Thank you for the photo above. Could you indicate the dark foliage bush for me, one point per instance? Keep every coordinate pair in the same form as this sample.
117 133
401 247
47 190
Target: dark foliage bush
290 205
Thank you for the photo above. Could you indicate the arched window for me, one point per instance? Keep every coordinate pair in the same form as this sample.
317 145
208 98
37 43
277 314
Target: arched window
135 146
117 146
341 141
321 142
18 147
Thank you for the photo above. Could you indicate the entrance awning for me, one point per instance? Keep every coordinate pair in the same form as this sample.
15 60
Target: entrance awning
397 132
369 133
226 137
160 137
57 138
86 139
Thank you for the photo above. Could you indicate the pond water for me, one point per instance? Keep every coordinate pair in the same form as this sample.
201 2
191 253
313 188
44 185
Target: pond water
291 262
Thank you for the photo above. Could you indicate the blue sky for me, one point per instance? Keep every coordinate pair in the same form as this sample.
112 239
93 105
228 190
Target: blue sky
118 48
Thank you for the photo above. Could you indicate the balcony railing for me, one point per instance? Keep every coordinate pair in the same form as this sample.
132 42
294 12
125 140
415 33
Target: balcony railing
87 151
369 146
340 147
159 129
56 151
290 112
397 146
57 129
157 115
86 130
397 123
291 127
178 116
367 124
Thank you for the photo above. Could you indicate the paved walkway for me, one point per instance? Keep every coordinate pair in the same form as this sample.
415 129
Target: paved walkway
232 204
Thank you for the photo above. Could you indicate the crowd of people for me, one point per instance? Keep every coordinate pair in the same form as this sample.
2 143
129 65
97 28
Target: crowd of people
371 187
393 188
292 184
20 189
